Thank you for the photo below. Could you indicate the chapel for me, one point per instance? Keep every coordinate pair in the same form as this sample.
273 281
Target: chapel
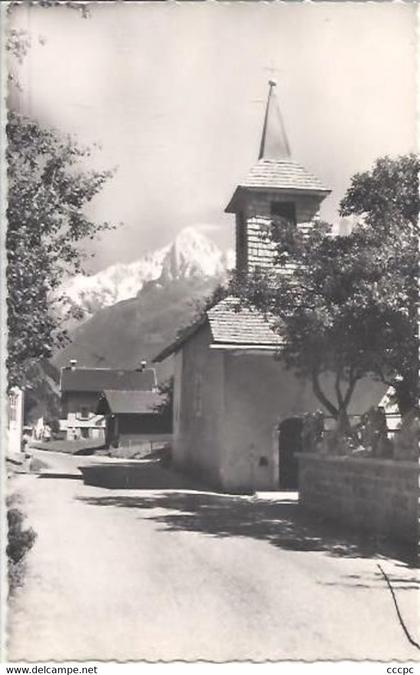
237 410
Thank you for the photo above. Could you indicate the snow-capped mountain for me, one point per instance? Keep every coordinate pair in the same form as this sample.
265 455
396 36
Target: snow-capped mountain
191 255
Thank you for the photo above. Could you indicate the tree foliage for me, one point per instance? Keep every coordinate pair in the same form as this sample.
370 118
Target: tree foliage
48 191
165 408
347 306
387 201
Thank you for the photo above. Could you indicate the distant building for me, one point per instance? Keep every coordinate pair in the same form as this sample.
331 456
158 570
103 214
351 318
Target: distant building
15 420
236 408
134 417
80 391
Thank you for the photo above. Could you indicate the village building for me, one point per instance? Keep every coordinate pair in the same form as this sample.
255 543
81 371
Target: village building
81 389
15 420
237 410
134 418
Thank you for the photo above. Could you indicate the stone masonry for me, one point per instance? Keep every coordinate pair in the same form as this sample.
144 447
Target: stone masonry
370 494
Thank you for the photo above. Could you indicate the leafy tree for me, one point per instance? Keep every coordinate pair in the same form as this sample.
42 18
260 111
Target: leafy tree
314 308
387 196
346 308
387 201
47 193
165 409
48 190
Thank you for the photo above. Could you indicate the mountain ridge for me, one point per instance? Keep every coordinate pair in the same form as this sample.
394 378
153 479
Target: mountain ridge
130 331
192 255
153 306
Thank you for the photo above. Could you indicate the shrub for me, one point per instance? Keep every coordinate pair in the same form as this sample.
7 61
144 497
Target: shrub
19 542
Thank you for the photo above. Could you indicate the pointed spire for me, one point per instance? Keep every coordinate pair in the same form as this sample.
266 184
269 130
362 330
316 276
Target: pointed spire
274 143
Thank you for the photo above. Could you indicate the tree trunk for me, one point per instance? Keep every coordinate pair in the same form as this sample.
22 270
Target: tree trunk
316 387
405 397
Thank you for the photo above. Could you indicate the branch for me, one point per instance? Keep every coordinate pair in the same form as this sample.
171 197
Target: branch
349 392
397 609
382 377
321 396
338 390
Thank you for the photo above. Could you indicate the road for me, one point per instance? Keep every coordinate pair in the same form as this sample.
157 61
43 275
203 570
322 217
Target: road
189 574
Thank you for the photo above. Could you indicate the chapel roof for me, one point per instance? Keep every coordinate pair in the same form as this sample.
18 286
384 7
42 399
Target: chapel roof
274 142
232 327
232 324
285 174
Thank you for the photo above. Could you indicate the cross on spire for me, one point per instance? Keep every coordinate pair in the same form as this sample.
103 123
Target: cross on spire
274 143
272 69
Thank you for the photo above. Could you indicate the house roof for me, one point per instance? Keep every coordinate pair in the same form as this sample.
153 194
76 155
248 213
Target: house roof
129 402
99 379
231 327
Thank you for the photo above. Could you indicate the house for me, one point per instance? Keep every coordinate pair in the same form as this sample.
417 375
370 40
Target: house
236 408
134 417
81 388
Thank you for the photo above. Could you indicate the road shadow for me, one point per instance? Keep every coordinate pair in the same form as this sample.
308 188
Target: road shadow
285 525
135 475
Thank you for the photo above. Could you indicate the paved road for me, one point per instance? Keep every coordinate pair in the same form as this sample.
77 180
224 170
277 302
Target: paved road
184 574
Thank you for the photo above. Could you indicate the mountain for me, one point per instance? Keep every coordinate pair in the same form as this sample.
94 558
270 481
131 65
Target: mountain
156 296
191 256
122 335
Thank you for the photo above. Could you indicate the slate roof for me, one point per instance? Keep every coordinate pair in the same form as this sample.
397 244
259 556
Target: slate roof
99 379
230 324
231 327
273 174
283 174
129 402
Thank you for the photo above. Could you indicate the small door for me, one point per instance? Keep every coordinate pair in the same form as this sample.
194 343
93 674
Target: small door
290 442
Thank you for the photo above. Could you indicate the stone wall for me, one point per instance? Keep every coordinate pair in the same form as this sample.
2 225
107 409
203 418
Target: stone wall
370 494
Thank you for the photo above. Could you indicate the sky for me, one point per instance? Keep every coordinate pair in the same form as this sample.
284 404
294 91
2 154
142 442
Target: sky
175 95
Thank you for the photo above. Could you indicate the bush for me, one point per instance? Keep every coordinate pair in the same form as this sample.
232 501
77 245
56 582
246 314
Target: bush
54 425
19 542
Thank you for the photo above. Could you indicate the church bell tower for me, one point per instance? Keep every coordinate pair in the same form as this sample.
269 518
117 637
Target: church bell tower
276 189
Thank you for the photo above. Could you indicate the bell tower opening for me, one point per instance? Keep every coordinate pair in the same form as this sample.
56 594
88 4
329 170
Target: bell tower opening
284 212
